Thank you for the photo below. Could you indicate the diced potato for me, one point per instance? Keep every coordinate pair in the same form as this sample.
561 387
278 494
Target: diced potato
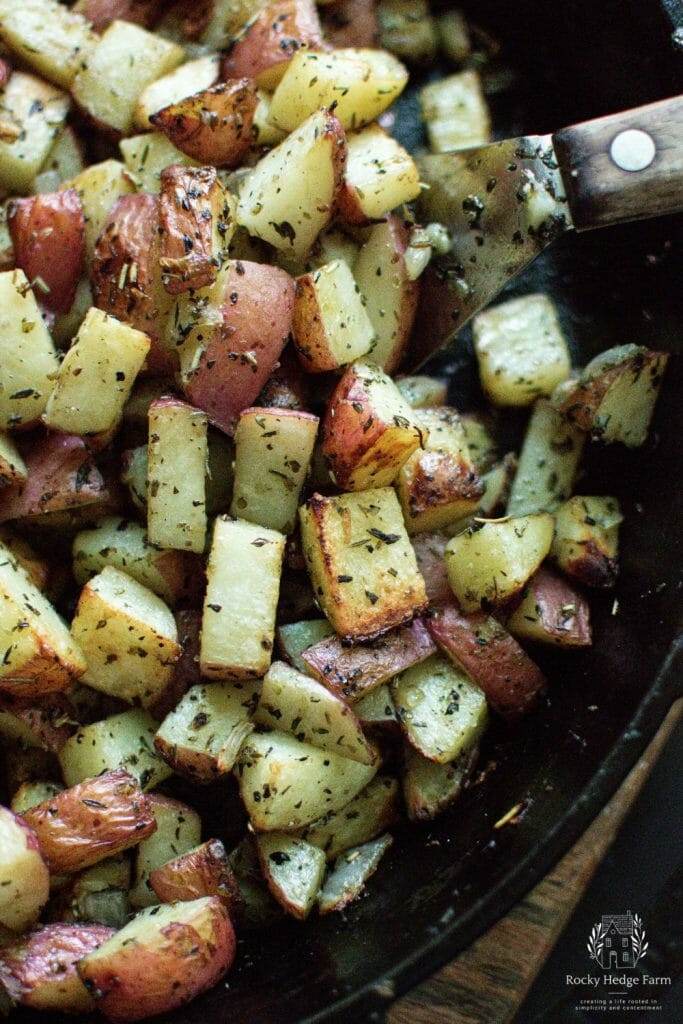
238 624
264 49
273 449
331 327
615 395
32 112
39 656
351 871
361 563
293 869
146 156
128 636
30 794
369 430
203 871
481 443
295 637
421 392
28 359
360 83
226 18
521 349
375 809
45 725
12 466
380 175
213 126
586 541
551 612
548 463
125 740
312 161
179 829
124 62
48 37
441 712
98 187
64 161
491 561
264 131
99 894
24 876
185 80
456 112
408 29
134 476
377 711
429 788
286 784
177 457
497 487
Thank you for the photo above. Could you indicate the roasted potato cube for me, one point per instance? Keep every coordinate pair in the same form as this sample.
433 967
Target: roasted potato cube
161 960
125 741
548 462
12 466
295 637
286 784
429 788
312 160
521 349
91 821
147 156
32 112
24 876
615 395
238 625
43 725
360 83
39 969
264 132
40 656
361 563
373 810
422 392
190 78
213 126
203 871
48 37
377 711
369 430
269 41
28 359
551 612
491 561
586 540
380 175
125 60
99 894
293 869
177 454
178 830
98 187
351 871
331 327
455 112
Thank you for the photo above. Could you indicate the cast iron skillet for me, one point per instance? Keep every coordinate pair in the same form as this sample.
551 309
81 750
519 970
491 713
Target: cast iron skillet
443 884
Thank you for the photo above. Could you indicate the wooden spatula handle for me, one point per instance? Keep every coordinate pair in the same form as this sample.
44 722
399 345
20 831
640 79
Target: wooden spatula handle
625 166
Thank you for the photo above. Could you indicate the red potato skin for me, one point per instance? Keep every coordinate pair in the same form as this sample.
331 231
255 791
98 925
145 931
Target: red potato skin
351 23
271 41
551 595
186 219
145 980
241 353
102 12
204 871
94 820
5 72
429 551
213 126
490 656
39 969
48 233
49 722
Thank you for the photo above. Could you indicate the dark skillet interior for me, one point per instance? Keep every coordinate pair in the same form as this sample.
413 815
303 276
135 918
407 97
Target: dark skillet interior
443 884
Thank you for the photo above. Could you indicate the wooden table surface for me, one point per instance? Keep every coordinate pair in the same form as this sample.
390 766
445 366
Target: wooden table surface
489 981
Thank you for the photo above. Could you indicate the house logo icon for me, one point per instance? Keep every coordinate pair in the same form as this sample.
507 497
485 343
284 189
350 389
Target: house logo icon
618 941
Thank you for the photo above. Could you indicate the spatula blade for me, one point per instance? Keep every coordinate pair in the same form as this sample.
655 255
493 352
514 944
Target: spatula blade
503 204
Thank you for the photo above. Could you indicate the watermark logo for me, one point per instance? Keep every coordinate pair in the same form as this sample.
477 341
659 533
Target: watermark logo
618 942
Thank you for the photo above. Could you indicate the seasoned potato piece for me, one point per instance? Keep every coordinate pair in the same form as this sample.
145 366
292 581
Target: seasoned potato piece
264 132
360 83
376 710
39 970
354 671
48 235
125 740
32 112
64 161
134 476
422 392
439 485
521 350
441 712
373 810
429 551
551 612
312 160
99 894
379 176
98 188
491 657
219 26
96 376
361 564
128 636
176 458
28 358
238 626
586 540
331 327
12 466
491 561
369 430
47 36
456 113
293 869
190 78
39 655
204 871
429 788
161 960
615 395
31 793
286 784
196 222
273 450
295 637
548 462
265 49
178 830
146 156
351 871
202 735
24 876
407 29
91 821
213 126
125 60
44 725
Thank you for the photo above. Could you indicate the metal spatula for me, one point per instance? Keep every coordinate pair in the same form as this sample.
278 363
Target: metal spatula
505 202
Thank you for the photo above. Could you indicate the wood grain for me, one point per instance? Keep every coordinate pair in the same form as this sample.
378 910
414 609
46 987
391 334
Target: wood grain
488 982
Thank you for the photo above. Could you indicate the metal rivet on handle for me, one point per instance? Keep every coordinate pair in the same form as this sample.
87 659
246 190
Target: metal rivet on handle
633 150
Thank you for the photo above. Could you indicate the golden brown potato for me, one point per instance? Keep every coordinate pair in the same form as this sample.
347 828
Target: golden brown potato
204 871
91 821
24 876
213 126
551 612
39 970
271 40
331 327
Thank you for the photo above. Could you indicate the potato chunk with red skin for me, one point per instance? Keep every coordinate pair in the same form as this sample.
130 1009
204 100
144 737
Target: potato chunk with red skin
46 725
39 970
48 234
492 658
162 958
194 214
204 871
271 40
551 612
102 12
96 819
213 126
